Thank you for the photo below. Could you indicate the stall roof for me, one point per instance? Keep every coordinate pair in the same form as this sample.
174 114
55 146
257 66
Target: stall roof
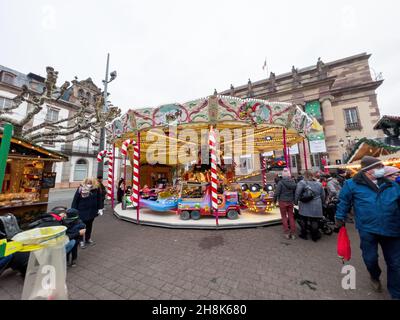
370 147
26 149
389 158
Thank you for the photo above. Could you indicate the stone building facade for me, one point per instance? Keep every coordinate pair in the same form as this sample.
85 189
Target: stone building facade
346 93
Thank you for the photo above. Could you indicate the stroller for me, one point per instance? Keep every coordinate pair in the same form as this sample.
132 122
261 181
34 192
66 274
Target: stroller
323 223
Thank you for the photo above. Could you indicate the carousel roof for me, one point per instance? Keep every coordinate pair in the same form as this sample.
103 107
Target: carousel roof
257 120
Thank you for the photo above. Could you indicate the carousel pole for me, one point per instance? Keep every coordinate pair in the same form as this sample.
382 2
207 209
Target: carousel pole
214 179
305 154
112 176
285 147
289 160
136 154
124 174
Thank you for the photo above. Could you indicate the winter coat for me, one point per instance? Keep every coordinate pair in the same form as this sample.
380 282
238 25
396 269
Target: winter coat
333 187
312 208
376 208
285 190
88 207
73 228
103 194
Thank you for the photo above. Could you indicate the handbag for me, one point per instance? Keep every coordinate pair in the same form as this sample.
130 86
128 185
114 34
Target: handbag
307 194
343 245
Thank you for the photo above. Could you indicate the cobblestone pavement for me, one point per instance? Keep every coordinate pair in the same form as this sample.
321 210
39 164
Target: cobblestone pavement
141 262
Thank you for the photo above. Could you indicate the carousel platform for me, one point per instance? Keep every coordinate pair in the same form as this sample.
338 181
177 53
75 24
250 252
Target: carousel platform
170 219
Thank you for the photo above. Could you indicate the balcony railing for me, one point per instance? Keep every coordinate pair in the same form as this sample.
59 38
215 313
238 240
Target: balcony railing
78 149
353 126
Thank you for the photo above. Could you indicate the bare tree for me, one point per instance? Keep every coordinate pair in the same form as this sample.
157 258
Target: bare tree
85 123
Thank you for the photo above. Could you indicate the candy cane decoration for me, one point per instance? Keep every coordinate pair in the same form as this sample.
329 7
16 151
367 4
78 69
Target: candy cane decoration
126 144
100 157
264 170
214 179
136 161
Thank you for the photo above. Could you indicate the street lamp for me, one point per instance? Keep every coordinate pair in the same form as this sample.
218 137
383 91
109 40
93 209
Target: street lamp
113 75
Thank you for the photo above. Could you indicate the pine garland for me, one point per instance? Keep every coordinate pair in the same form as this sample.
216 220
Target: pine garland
372 143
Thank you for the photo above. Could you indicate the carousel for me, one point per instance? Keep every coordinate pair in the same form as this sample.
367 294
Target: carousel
200 143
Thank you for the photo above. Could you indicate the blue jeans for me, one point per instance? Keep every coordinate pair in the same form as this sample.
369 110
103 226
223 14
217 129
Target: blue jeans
69 245
391 252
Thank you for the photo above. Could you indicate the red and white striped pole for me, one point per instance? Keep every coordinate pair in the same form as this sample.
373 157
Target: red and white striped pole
264 169
111 172
136 170
214 178
136 164
100 157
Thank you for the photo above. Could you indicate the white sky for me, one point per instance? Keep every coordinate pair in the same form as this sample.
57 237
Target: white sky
176 51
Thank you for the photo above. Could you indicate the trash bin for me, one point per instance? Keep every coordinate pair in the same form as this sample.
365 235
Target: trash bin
45 277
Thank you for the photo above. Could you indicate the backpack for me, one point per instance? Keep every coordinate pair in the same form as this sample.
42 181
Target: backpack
8 226
307 194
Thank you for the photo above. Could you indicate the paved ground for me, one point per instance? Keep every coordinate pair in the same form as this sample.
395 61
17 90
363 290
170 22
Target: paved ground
60 197
141 262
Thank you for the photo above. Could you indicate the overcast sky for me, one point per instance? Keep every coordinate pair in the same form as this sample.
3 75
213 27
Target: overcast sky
176 51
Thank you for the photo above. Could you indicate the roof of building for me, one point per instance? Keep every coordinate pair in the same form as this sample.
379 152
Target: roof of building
305 69
387 121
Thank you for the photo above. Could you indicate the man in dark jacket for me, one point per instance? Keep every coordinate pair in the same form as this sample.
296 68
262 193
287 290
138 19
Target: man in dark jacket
102 191
375 200
285 191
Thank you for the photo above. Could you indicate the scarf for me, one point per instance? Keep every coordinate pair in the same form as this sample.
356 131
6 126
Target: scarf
85 191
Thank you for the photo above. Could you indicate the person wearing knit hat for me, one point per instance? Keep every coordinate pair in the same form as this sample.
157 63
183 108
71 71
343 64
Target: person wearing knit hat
284 193
375 201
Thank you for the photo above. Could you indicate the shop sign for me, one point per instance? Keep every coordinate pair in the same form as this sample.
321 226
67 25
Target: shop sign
317 146
49 180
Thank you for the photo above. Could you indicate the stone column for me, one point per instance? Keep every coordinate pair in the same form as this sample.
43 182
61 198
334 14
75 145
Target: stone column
331 138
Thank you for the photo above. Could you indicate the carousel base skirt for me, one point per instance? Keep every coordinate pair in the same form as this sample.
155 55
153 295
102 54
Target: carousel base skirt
170 219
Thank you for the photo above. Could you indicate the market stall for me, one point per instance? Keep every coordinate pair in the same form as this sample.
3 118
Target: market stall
203 140
28 177
389 154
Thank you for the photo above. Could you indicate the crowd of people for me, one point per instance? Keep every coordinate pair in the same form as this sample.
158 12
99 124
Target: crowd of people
372 196
371 199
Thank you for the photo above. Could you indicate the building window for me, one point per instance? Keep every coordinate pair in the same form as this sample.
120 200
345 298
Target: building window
81 170
5 103
293 161
89 97
315 160
352 119
8 78
52 114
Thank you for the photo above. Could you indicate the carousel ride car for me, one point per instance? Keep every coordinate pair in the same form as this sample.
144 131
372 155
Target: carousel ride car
195 201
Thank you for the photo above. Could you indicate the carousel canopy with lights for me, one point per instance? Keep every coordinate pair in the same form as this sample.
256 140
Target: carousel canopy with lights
248 120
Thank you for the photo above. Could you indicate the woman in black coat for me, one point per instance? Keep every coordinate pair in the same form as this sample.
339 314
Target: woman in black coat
120 191
87 201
